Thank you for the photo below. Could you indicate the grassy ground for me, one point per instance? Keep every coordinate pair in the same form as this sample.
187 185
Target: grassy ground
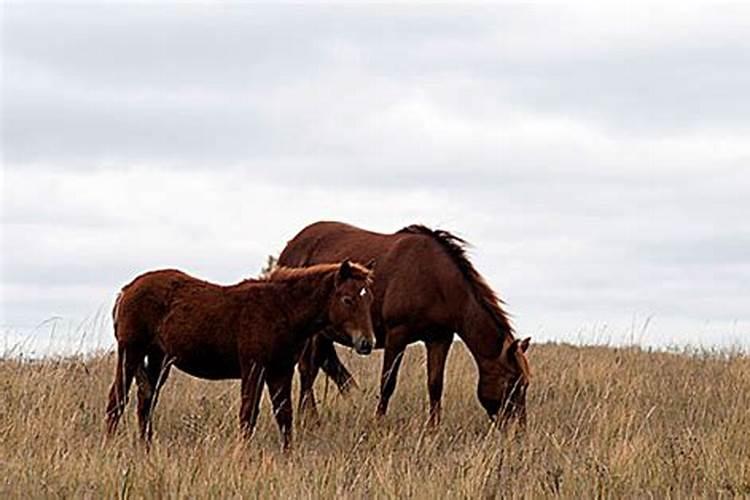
602 422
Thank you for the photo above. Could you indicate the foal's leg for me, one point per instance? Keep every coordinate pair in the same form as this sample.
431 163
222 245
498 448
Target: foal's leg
280 389
128 360
437 352
395 344
253 377
308 367
150 377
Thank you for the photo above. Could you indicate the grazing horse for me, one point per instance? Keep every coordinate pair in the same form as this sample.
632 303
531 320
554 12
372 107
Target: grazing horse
425 289
254 330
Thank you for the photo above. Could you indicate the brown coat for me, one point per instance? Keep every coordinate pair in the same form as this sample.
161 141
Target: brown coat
253 330
425 289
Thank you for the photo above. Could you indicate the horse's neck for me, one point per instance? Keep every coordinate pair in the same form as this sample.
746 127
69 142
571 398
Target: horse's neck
307 301
480 332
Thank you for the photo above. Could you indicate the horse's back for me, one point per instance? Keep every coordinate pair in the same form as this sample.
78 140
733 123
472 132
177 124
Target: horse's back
191 321
154 285
327 241
142 303
157 278
415 280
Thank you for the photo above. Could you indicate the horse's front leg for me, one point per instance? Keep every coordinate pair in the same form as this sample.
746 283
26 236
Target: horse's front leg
395 344
328 359
252 388
437 352
280 390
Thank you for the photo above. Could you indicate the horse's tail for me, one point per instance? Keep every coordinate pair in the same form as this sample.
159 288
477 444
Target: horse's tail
116 311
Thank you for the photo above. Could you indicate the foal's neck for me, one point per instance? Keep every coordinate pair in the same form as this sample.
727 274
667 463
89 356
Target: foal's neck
307 299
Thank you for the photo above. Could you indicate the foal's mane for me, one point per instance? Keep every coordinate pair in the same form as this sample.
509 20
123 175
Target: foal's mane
456 246
283 273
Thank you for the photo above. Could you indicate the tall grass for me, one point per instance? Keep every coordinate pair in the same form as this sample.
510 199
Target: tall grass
602 422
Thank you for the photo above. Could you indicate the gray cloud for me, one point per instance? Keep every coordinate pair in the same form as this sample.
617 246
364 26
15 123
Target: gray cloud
597 159
200 85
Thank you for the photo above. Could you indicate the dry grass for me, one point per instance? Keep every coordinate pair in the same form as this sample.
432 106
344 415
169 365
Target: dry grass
603 422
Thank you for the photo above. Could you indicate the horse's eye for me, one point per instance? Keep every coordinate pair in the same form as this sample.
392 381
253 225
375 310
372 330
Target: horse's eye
348 301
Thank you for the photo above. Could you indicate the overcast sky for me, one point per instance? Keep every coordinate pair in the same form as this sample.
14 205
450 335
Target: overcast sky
597 159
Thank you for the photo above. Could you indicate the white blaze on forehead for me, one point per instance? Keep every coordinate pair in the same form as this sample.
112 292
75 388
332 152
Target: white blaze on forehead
363 292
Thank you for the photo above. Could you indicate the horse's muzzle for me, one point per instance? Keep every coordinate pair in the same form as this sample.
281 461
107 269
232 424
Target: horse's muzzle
363 346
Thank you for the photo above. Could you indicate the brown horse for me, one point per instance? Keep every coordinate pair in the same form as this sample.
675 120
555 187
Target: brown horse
426 289
254 331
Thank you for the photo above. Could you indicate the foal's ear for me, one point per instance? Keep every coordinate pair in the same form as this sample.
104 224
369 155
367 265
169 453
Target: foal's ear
345 270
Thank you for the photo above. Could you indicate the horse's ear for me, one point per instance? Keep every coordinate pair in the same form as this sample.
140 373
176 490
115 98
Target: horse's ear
513 347
345 270
520 345
525 344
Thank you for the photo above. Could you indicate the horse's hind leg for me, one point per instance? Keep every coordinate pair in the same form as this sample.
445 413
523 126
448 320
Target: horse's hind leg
128 360
280 390
253 377
150 377
308 368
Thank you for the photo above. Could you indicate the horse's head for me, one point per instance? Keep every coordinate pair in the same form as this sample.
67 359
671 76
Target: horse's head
503 381
349 309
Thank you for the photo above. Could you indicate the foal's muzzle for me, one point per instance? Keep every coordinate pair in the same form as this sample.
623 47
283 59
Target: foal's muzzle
363 346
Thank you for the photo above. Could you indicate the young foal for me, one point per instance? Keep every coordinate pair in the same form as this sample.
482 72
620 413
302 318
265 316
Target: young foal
254 331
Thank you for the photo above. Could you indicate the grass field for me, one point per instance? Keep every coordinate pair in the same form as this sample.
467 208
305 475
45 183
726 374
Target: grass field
602 422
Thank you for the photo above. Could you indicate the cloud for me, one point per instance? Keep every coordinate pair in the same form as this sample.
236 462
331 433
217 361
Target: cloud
201 86
597 158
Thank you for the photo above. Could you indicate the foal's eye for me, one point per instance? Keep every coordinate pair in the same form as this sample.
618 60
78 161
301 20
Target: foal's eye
348 301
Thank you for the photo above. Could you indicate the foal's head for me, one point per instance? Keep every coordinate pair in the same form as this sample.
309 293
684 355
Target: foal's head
349 308
503 381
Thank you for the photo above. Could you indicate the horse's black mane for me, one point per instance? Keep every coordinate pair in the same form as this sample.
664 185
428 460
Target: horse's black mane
455 246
